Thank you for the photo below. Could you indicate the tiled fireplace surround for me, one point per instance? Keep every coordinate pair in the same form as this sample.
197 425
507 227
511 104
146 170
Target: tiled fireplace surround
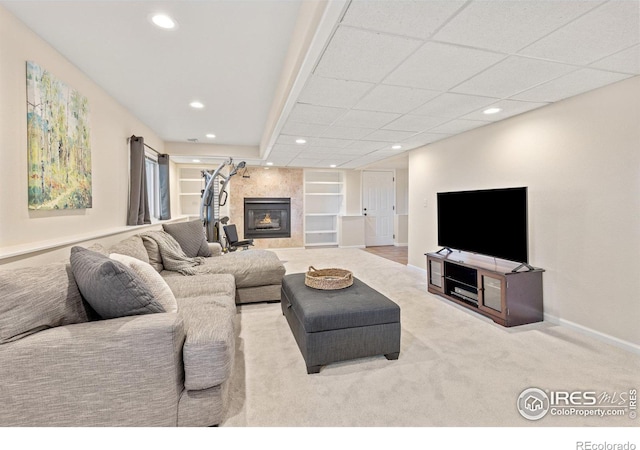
274 182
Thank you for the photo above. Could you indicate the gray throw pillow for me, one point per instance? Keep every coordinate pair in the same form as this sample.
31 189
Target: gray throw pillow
158 287
36 298
132 246
112 289
190 236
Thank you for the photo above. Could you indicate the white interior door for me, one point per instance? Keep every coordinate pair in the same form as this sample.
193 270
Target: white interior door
378 207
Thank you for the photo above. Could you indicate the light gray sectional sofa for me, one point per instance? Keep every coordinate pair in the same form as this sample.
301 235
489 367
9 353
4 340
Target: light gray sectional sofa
258 273
62 365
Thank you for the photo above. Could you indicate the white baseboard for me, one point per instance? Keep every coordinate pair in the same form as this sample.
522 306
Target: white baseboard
398 244
352 246
603 337
419 269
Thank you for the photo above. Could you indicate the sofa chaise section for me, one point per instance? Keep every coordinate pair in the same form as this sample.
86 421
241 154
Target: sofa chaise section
258 273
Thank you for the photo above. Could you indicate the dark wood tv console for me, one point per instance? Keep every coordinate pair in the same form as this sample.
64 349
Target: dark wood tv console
487 286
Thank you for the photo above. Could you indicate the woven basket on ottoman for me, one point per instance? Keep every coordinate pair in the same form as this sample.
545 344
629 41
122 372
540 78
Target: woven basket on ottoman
338 325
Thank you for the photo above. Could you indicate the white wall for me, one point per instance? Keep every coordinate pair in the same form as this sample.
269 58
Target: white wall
580 159
353 192
402 191
110 124
401 219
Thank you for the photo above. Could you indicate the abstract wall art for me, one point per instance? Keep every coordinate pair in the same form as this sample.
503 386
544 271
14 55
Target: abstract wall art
58 143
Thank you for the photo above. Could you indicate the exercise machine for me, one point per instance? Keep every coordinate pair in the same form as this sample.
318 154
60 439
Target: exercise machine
215 195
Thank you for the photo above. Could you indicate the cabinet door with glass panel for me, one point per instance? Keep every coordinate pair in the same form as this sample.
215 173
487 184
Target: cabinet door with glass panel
435 274
491 298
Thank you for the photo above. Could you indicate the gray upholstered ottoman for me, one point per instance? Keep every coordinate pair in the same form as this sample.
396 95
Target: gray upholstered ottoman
338 325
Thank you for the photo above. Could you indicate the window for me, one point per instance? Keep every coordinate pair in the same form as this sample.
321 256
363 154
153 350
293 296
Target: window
153 187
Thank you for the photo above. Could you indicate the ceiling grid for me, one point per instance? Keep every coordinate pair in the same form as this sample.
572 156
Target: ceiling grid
391 75
471 56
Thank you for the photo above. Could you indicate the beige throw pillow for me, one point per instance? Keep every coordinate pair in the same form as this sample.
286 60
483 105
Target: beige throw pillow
158 287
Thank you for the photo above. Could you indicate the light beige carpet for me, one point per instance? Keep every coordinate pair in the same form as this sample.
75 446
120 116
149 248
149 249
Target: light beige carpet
455 368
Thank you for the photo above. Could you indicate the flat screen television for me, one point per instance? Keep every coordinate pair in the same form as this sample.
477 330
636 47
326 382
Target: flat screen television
491 222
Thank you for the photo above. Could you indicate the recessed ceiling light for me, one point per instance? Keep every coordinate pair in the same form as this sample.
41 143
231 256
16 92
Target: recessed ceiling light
196 104
396 147
269 163
301 141
332 166
211 136
196 160
492 110
163 21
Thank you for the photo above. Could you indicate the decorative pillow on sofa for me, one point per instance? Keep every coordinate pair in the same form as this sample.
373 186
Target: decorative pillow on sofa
131 246
33 299
153 251
154 281
112 289
190 236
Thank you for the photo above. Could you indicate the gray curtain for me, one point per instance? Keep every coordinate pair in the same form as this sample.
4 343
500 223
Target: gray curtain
165 197
138 200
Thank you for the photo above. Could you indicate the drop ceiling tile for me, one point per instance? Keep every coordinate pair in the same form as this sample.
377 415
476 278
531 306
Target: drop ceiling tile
424 138
328 142
355 152
306 113
389 135
336 132
280 161
303 162
366 146
451 105
309 151
332 160
297 164
574 83
386 152
513 75
627 61
300 129
330 92
286 139
410 122
509 108
359 162
408 18
287 150
439 66
507 26
458 126
601 32
360 55
337 155
365 119
395 99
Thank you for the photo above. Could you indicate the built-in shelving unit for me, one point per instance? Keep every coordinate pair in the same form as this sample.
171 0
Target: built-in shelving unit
190 184
323 204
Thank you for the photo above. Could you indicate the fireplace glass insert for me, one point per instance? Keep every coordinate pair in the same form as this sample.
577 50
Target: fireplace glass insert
267 217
